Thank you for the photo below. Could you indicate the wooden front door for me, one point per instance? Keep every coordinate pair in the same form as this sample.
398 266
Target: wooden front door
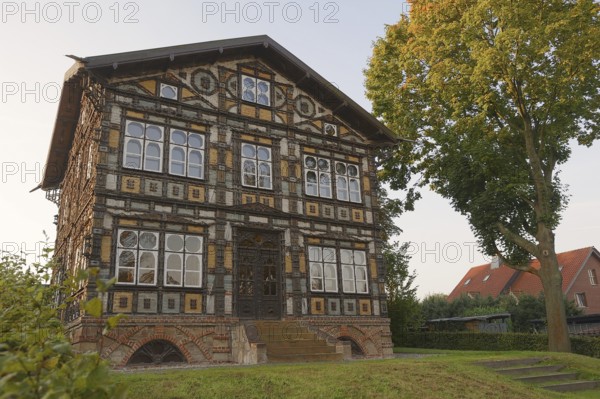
258 275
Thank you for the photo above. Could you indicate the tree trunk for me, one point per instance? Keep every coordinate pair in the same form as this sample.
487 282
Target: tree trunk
556 317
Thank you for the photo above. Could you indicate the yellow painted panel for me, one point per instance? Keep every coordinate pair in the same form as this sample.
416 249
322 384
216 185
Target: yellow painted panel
317 305
352 158
248 110
212 256
319 124
130 184
309 150
364 306
135 114
201 128
283 116
343 129
193 303
196 193
229 159
284 168
122 302
149 85
228 257
247 70
357 215
248 199
302 262
373 267
366 183
213 158
228 104
196 229
314 240
312 209
269 201
264 140
265 114
264 75
247 137
288 264
105 247
298 170
360 245
113 138
187 93
127 222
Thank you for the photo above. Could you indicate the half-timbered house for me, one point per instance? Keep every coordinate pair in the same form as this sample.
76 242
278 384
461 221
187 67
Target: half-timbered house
231 192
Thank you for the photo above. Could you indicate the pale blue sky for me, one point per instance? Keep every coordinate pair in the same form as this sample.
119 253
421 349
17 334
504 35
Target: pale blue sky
334 38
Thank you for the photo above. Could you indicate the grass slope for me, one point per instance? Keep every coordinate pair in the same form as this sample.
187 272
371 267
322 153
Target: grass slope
449 375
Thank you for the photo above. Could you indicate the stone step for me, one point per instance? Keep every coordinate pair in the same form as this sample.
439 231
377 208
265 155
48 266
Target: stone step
277 350
503 364
530 370
292 343
302 358
573 386
547 377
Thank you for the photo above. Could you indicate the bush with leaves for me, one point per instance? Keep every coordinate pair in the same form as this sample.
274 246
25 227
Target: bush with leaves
36 358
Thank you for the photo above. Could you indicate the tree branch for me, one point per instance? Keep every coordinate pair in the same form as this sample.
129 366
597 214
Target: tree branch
517 239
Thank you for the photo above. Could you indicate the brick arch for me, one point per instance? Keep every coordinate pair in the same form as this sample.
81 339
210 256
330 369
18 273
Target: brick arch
359 337
138 344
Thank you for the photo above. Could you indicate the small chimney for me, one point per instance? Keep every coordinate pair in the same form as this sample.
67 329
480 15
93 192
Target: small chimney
495 262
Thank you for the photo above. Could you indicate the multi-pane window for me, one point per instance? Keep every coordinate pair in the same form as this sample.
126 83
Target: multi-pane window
143 146
186 154
354 271
323 269
256 90
183 260
581 300
137 257
317 176
257 166
592 276
347 182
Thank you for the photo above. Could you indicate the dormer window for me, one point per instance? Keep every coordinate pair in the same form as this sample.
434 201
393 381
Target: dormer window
168 91
486 278
467 282
256 90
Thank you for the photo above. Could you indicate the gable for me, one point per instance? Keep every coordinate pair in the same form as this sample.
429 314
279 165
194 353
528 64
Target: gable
220 87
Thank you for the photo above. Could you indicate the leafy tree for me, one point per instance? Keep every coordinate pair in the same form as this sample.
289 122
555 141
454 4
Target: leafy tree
36 358
492 93
435 306
403 306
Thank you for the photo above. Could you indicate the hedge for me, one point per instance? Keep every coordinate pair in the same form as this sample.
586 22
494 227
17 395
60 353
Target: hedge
589 346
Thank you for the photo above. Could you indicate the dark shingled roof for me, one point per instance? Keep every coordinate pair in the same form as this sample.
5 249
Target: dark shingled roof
263 47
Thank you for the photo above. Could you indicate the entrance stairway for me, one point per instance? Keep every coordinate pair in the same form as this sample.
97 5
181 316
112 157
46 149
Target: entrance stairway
536 371
292 342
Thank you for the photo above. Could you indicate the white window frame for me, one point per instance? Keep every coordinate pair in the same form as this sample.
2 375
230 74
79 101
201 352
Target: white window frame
259 175
138 252
322 259
187 150
351 271
165 85
322 190
184 255
254 90
343 183
593 277
145 142
581 300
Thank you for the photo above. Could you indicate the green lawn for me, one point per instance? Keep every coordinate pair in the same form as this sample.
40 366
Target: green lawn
451 374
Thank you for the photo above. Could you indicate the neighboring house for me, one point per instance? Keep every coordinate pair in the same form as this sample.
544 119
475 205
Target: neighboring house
221 183
580 270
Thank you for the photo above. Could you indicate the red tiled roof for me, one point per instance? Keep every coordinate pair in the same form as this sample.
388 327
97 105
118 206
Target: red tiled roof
570 261
499 278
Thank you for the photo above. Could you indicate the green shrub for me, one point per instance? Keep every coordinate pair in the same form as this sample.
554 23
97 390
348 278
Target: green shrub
589 346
